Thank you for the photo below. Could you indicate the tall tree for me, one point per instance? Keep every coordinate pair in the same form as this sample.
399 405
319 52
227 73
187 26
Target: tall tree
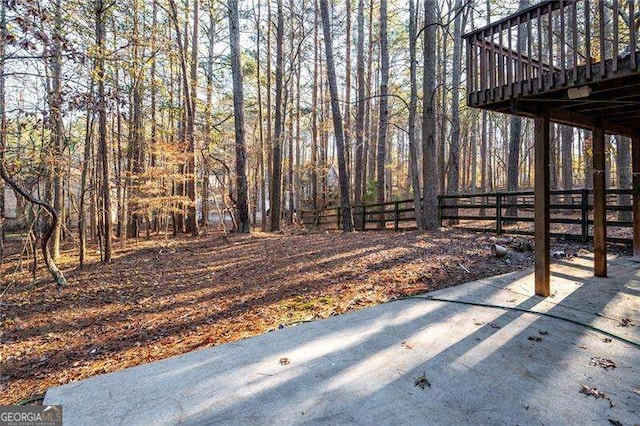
361 105
276 176
413 107
238 112
103 149
384 105
54 62
453 176
429 147
345 203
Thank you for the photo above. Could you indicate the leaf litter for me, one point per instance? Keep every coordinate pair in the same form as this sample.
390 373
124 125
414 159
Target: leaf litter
159 299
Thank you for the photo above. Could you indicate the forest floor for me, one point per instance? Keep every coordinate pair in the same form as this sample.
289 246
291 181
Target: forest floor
160 298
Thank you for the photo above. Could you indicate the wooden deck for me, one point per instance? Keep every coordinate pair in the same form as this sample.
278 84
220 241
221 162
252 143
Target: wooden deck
574 62
537 58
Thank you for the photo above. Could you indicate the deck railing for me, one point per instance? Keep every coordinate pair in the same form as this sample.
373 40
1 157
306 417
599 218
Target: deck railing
549 45
498 212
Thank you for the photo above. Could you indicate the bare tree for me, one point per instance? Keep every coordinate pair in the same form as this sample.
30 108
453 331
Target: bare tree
343 178
242 207
384 103
276 176
429 147
413 107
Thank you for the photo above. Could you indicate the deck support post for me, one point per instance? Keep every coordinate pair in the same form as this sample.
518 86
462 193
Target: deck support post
541 201
599 204
635 161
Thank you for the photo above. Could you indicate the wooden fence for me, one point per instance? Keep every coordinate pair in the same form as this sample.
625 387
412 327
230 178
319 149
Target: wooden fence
498 212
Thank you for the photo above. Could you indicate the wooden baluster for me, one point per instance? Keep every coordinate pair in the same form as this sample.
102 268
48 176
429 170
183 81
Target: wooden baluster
563 65
601 34
632 35
483 67
469 71
587 39
550 41
539 49
529 53
492 64
519 64
510 60
574 28
614 62
500 63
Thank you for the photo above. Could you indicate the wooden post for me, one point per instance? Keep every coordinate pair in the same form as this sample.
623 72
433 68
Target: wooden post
396 216
498 213
584 211
599 204
338 212
635 161
364 217
541 201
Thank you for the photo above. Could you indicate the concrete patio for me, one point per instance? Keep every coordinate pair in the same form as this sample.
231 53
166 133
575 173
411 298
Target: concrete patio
362 367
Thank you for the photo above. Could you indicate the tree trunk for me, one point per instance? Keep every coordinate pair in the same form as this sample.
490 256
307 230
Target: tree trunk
384 110
345 203
359 151
413 107
103 149
55 112
276 178
192 219
567 157
242 209
314 115
453 175
261 168
429 147
623 174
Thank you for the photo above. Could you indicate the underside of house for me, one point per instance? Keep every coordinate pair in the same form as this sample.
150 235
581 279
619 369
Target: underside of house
569 62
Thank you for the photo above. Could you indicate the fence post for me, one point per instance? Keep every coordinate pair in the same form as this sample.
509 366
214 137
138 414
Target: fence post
498 213
364 217
584 202
338 217
440 211
396 221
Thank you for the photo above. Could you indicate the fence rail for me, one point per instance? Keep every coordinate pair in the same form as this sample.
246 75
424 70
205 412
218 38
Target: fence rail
498 212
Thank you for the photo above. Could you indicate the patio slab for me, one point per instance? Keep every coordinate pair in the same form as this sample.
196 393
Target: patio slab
483 364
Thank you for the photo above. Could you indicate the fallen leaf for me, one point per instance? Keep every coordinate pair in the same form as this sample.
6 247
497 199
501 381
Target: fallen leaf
422 382
284 361
582 346
602 362
606 340
478 323
535 338
637 391
625 322
588 390
407 345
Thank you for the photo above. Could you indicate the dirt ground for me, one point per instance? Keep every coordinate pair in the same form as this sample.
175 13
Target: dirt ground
162 298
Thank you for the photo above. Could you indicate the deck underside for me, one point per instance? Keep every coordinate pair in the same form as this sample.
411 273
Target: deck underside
608 98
